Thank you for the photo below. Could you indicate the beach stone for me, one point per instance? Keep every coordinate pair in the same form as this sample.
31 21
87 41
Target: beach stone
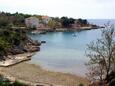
43 41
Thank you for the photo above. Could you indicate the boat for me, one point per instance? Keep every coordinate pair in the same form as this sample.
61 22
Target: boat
34 32
74 35
38 32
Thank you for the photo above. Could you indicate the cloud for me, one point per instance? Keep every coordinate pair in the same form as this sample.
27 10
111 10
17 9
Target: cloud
71 8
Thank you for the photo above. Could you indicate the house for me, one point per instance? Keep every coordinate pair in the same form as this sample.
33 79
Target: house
46 19
32 22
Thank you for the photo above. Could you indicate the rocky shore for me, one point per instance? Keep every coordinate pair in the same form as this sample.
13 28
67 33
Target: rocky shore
15 68
44 31
30 46
19 54
15 59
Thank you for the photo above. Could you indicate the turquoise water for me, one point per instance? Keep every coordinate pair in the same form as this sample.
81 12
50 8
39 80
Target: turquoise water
64 52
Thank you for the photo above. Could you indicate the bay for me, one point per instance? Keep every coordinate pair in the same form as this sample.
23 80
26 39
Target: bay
64 52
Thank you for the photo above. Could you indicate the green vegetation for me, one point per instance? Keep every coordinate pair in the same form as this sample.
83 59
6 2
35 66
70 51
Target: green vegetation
13 40
66 22
7 82
82 22
18 19
81 84
111 78
52 24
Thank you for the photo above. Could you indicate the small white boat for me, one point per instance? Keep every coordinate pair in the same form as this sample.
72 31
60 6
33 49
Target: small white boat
34 32
74 35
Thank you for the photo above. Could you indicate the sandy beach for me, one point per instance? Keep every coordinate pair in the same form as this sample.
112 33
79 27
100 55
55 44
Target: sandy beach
34 74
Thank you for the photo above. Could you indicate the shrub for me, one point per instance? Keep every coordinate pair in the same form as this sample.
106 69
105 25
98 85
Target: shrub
112 83
80 84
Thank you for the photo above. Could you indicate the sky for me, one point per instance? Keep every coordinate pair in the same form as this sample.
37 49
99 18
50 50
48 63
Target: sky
88 9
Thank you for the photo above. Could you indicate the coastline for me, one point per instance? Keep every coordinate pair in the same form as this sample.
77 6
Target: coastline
45 30
15 59
17 48
33 75
16 68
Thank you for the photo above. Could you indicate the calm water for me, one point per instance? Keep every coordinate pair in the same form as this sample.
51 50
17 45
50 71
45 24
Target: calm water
63 52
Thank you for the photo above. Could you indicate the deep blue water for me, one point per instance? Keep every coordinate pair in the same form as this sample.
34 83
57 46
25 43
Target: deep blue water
101 21
64 52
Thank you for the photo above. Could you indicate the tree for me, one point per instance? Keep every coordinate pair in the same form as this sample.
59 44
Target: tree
6 82
4 46
4 21
66 22
82 22
52 24
57 19
102 53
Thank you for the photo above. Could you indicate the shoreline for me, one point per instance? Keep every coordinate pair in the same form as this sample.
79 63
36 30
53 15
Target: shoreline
34 74
20 70
15 67
16 59
45 30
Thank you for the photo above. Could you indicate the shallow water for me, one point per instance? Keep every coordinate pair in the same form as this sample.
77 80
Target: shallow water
65 52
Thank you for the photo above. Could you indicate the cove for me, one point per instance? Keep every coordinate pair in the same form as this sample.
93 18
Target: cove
64 52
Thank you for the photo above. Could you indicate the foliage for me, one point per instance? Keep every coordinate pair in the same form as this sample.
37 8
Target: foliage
4 46
16 83
112 82
101 54
81 84
56 19
7 82
16 19
3 21
111 75
82 22
52 24
13 40
66 22
10 39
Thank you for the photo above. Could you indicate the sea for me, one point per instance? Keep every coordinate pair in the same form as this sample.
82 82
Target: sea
66 51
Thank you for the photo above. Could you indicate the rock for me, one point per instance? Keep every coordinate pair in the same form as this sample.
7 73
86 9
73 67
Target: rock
34 49
43 32
43 41
36 43
16 51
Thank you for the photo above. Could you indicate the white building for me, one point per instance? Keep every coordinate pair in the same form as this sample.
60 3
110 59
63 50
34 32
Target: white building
32 22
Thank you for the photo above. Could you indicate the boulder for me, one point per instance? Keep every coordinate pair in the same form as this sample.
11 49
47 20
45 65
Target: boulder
43 41
16 51
34 49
